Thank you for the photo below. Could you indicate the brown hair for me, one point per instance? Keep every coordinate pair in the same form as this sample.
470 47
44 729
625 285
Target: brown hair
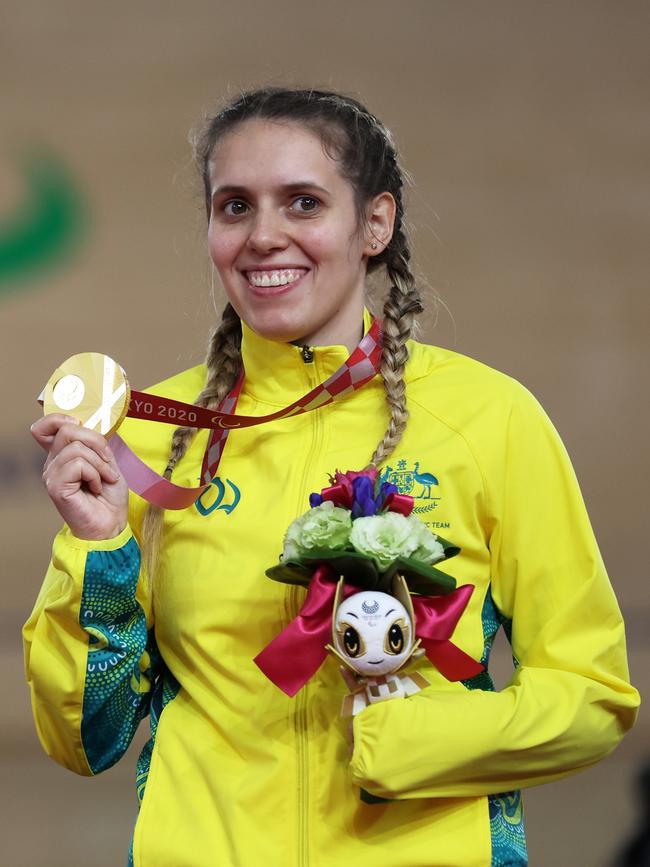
367 159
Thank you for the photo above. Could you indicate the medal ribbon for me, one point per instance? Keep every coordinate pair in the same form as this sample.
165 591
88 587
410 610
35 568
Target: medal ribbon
355 372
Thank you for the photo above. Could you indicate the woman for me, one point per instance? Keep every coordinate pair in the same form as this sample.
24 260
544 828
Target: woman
304 198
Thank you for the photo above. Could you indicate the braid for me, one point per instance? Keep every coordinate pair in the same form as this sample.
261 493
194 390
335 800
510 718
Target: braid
223 364
401 306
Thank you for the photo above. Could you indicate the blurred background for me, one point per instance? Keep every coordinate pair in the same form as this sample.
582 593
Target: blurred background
526 129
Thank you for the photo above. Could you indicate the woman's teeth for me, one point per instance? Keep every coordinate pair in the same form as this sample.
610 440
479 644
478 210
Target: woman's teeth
273 278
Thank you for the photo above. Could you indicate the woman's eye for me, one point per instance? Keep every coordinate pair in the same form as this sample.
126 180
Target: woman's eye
305 204
235 208
394 642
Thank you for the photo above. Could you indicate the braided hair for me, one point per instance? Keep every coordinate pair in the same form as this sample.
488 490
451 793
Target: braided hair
366 157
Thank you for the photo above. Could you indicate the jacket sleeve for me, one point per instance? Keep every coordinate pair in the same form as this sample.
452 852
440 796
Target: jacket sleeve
88 652
569 702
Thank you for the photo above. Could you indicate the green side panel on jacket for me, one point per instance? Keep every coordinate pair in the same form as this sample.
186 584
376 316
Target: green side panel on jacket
118 673
506 809
166 689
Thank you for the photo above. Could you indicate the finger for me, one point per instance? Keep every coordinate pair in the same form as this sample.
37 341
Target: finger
69 433
112 462
92 478
55 463
45 429
68 480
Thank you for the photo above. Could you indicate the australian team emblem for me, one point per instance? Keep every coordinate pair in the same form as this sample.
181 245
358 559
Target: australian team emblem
415 483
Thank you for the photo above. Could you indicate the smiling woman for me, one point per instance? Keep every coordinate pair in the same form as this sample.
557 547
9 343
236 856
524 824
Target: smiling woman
303 193
291 254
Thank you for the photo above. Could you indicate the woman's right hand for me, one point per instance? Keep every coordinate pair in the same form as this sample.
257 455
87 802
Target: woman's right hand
82 477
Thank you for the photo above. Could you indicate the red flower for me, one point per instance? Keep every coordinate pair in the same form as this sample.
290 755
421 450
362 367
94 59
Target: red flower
341 492
346 479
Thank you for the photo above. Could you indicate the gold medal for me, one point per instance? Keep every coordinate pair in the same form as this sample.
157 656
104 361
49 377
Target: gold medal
92 388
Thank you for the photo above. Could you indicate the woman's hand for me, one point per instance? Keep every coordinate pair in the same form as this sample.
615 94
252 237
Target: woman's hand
82 477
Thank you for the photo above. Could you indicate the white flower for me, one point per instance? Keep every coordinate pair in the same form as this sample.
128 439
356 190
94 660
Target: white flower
325 526
384 537
428 549
291 550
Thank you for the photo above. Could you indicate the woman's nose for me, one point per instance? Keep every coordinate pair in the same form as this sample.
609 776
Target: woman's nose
267 232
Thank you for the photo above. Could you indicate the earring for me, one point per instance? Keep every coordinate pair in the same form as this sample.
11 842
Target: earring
373 246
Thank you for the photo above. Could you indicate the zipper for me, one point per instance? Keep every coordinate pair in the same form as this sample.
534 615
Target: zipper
296 597
303 777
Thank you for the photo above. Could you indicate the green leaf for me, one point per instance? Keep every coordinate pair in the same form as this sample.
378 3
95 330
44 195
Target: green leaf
290 573
356 568
361 570
450 549
422 579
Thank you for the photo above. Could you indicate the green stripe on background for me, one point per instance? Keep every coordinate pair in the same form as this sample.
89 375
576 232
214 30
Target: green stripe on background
47 226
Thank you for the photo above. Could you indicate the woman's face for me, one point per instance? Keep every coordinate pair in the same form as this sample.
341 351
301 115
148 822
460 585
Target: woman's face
284 235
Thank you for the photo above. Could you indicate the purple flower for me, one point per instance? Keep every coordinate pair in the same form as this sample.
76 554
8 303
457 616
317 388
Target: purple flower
363 502
384 492
315 500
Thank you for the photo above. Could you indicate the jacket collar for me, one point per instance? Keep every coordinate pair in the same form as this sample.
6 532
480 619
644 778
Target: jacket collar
277 374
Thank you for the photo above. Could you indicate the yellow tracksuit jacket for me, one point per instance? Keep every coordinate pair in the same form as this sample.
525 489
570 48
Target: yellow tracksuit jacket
236 773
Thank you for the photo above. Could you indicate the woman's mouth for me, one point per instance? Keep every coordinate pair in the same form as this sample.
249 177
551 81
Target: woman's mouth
273 281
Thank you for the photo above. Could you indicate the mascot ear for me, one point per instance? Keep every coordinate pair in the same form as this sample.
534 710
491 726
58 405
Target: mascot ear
338 598
401 592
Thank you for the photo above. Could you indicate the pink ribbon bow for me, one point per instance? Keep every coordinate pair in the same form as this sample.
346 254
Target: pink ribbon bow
296 654
436 618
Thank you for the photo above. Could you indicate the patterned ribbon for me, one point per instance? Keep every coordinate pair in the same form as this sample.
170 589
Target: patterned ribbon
355 372
296 654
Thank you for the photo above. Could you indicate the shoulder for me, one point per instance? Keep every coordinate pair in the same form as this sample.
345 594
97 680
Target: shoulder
458 387
456 399
491 413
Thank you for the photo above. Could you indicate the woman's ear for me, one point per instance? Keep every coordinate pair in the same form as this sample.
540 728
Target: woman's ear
380 222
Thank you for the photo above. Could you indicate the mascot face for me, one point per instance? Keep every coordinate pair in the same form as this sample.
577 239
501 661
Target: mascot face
373 632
